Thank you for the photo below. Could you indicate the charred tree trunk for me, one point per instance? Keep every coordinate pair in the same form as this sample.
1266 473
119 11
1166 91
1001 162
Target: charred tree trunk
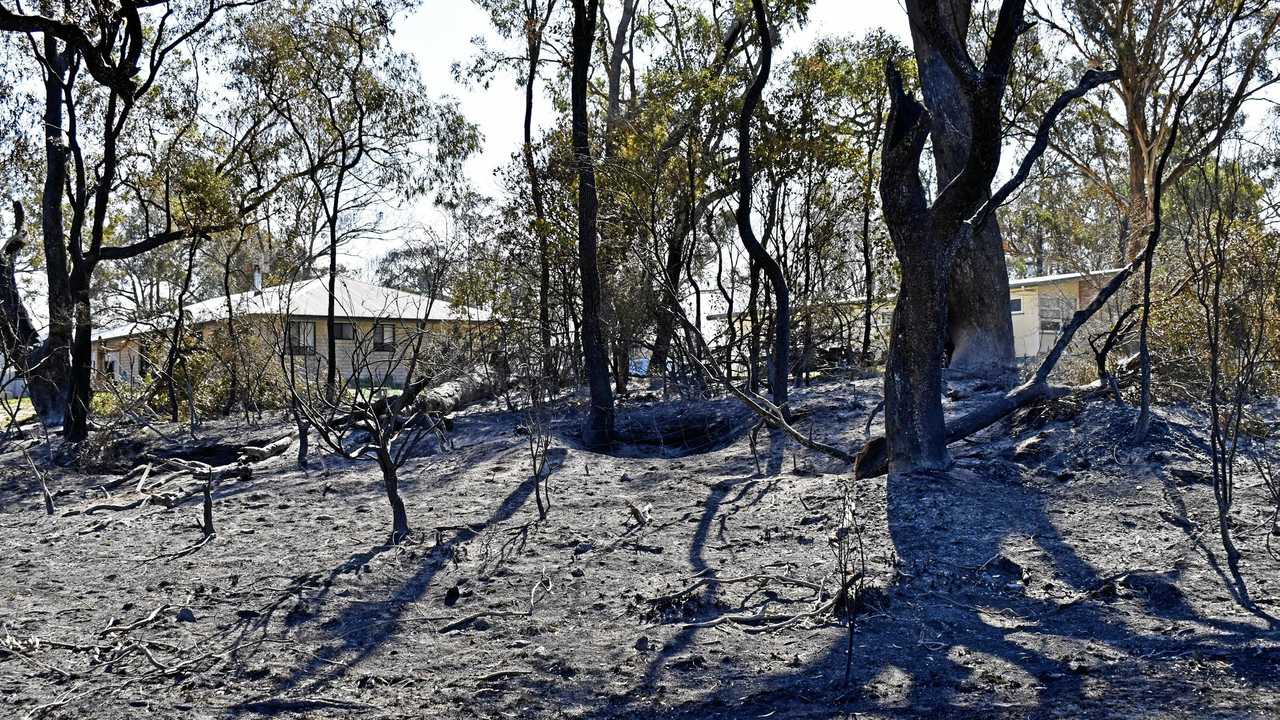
927 237
914 420
597 431
52 380
760 256
391 484
76 427
979 327
533 41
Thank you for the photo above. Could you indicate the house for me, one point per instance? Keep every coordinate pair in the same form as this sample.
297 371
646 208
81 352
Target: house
1039 307
373 323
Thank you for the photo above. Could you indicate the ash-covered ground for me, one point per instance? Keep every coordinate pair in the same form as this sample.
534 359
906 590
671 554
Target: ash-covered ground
1058 570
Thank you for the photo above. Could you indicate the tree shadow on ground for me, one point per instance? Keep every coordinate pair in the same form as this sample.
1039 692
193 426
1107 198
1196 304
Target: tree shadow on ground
962 636
364 627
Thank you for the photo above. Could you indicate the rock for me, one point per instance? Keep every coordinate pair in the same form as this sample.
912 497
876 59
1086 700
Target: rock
1002 567
451 596
577 572
642 644
185 615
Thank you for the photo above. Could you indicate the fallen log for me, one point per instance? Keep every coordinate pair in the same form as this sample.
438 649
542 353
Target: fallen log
473 385
455 394
251 453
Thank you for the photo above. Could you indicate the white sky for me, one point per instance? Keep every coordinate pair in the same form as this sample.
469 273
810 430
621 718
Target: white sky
440 33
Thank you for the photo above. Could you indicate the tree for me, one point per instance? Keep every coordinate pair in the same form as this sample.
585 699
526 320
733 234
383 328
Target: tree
125 48
597 430
780 364
532 19
979 329
927 236
354 112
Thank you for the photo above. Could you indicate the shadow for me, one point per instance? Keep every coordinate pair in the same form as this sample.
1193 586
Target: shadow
363 627
706 596
1231 577
967 631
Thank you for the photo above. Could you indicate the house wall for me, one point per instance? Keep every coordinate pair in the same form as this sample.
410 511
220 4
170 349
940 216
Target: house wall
1045 308
356 356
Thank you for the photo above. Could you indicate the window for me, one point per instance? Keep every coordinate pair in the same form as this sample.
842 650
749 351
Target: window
1015 305
344 331
302 338
384 337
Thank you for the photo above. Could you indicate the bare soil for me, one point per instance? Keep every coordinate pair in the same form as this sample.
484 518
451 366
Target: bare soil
1057 570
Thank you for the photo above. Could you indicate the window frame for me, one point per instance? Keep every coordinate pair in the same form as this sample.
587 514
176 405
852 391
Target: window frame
1020 309
338 325
300 348
380 341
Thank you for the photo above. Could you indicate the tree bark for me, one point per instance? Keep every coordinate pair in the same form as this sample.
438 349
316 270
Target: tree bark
391 483
533 41
979 327
52 381
926 237
760 256
597 431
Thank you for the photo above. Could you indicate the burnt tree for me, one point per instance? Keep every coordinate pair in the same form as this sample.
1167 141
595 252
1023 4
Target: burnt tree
597 430
979 330
760 257
927 237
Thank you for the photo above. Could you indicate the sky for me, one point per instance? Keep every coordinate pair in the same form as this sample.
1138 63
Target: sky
440 33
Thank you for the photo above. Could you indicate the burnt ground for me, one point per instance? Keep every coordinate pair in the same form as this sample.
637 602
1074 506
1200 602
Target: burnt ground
1057 571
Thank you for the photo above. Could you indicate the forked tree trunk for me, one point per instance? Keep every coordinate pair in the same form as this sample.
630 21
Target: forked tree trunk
597 431
926 237
979 327
914 420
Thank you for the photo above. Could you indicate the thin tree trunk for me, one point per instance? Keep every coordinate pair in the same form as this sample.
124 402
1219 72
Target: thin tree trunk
773 271
533 41
597 431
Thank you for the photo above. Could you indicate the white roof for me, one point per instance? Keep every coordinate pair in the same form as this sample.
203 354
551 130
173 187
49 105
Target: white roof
310 299
1013 284
1051 279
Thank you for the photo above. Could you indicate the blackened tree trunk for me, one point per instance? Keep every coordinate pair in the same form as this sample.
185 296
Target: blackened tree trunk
979 326
537 24
597 431
914 422
76 428
927 237
391 484
53 378
760 256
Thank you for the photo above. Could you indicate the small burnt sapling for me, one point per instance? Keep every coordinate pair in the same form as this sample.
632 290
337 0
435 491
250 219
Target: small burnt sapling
368 416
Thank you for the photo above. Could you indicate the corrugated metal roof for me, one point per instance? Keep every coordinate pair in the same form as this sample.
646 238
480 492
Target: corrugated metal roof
310 298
